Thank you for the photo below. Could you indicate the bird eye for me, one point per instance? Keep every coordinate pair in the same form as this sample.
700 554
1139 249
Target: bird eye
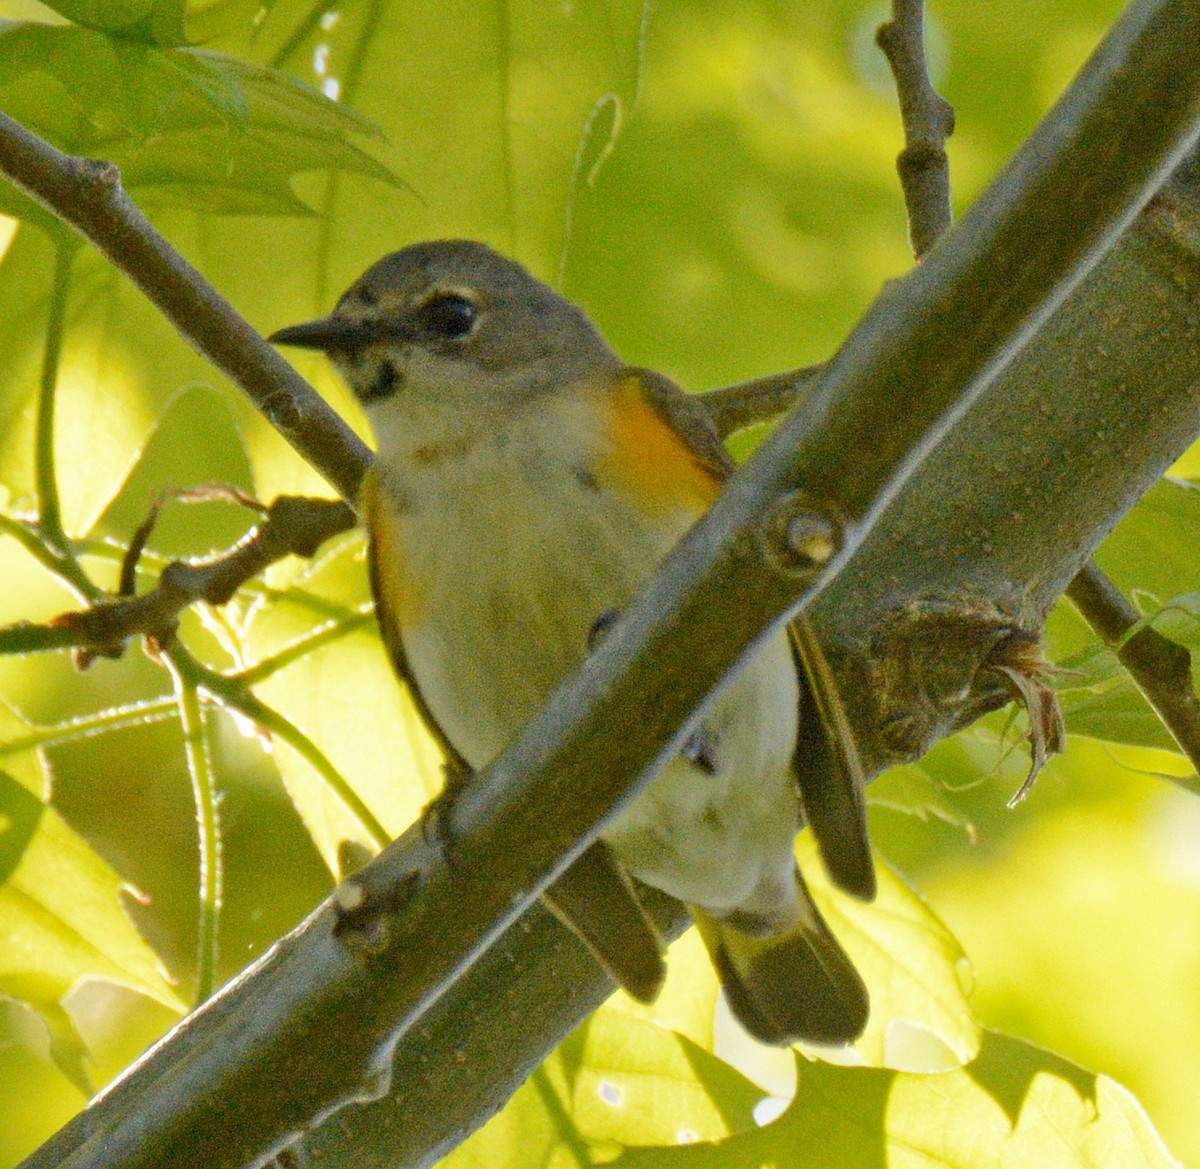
449 315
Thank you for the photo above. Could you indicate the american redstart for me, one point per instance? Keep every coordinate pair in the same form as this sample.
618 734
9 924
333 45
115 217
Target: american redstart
527 483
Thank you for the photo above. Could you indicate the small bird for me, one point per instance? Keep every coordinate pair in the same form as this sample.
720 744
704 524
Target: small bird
527 483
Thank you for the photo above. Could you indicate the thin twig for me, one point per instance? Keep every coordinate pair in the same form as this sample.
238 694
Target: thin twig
293 525
87 195
928 121
127 585
206 493
199 761
49 522
924 171
63 564
304 645
232 692
116 718
273 723
734 408
1160 668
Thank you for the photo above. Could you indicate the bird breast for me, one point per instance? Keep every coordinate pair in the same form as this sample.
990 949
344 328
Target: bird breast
498 559
504 549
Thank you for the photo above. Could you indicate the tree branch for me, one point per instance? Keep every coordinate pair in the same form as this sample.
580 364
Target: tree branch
733 408
924 171
208 824
928 121
49 508
920 359
87 194
293 525
1161 668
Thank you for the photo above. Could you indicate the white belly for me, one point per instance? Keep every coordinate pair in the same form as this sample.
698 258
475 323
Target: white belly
513 567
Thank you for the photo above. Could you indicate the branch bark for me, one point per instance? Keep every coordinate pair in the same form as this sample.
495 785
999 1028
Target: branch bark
293 524
899 407
734 408
1160 667
928 121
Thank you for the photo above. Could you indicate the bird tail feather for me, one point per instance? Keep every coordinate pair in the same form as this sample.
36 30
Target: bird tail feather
797 986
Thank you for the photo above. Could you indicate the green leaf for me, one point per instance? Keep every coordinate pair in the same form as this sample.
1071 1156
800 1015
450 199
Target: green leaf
61 920
532 1131
633 1082
687 1002
1151 557
106 430
917 973
1014 1104
159 22
169 459
1100 700
102 416
533 95
272 129
1103 703
617 1079
1151 553
187 127
910 789
1084 928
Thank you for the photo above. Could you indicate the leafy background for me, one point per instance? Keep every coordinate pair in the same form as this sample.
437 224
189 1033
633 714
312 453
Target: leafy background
713 180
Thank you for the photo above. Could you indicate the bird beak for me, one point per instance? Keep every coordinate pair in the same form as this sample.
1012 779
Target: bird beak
325 334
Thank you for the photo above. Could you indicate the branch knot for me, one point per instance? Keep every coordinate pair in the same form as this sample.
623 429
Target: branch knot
800 534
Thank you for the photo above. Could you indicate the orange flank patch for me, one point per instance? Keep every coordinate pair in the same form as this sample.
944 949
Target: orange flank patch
397 601
652 464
